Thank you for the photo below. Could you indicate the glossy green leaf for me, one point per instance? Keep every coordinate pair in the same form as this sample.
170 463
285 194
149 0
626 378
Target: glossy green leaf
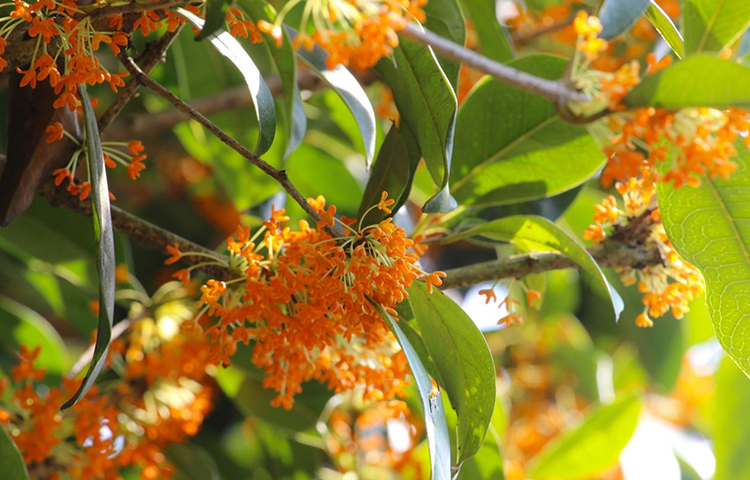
444 17
392 172
708 227
216 13
285 61
494 40
538 234
105 252
700 81
513 145
590 448
666 28
11 461
731 432
23 326
263 103
432 406
711 25
464 361
487 464
192 462
348 88
617 16
427 104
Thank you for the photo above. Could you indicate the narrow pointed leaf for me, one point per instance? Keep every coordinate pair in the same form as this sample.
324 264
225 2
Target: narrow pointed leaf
265 111
216 13
712 25
538 234
348 88
708 226
444 17
617 16
462 357
435 423
427 104
11 461
285 61
666 28
494 40
105 252
592 447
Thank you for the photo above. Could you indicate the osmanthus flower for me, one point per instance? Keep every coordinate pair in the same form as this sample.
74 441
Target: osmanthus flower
511 305
113 155
303 300
354 32
671 285
652 144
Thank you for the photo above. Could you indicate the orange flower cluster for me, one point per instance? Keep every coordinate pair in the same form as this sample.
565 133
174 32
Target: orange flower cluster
163 398
377 438
112 156
304 300
355 33
667 286
511 305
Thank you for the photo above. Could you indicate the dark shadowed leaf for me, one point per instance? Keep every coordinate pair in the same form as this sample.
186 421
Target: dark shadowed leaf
11 461
216 12
265 111
464 361
192 462
617 16
348 88
444 17
105 252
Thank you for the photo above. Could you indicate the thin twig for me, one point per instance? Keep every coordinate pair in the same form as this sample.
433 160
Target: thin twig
552 90
153 54
278 175
525 37
134 7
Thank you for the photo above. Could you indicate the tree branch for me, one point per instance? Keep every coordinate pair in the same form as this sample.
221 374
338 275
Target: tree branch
552 90
153 54
278 175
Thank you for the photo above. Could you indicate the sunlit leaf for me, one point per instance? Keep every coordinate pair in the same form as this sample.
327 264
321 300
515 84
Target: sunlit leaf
730 430
493 38
711 25
668 31
105 253
592 447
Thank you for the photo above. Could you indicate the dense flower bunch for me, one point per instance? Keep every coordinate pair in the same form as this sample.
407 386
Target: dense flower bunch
355 33
68 36
304 300
670 285
164 395
375 440
652 143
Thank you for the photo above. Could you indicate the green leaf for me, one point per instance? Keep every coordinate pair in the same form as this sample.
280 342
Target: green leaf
444 17
265 111
23 326
538 234
592 447
432 406
668 31
711 25
427 104
286 64
708 227
730 428
216 13
513 145
105 252
700 81
192 462
487 464
617 16
11 461
463 360
493 38
348 88
393 172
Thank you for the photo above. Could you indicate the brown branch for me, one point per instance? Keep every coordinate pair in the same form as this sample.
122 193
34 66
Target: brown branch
552 90
153 54
279 175
152 124
525 37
